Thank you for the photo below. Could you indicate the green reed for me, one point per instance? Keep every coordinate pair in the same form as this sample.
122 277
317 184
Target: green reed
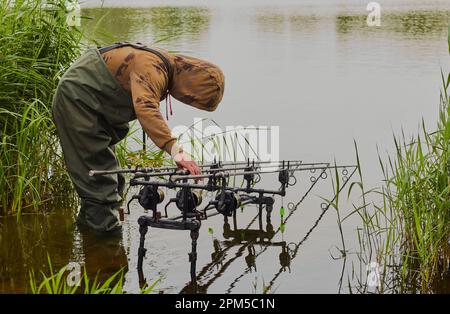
36 46
57 283
408 231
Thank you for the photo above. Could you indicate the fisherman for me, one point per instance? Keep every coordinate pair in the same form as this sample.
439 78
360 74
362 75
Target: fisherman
101 93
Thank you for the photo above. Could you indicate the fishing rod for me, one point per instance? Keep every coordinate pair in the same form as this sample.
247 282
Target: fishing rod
170 171
228 174
208 172
208 167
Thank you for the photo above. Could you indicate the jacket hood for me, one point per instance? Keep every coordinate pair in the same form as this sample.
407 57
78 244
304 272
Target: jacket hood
197 82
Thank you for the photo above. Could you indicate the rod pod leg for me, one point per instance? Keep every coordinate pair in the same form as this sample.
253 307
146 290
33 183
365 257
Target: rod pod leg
269 209
260 217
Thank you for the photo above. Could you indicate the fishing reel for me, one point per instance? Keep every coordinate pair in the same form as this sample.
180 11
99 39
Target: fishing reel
194 199
250 176
150 196
213 180
227 202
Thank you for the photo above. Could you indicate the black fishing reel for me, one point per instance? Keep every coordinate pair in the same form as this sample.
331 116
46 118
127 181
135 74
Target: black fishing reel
213 180
194 199
150 196
250 176
231 201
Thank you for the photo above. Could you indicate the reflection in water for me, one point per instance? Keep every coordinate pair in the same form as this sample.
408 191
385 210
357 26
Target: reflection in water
411 24
290 251
277 21
103 255
421 23
146 24
271 22
24 246
54 234
27 244
250 258
304 23
346 23
285 259
218 254
174 22
243 238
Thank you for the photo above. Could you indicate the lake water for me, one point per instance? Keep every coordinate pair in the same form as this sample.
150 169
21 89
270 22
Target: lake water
317 71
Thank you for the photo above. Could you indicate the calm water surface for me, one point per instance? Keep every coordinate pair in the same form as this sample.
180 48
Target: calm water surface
313 68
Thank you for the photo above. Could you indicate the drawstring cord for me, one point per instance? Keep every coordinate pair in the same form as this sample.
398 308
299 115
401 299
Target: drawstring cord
170 104
167 115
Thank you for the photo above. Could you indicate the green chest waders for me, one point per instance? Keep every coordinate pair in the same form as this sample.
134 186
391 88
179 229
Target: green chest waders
91 112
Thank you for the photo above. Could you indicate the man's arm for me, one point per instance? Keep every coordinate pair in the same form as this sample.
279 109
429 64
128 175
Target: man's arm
153 123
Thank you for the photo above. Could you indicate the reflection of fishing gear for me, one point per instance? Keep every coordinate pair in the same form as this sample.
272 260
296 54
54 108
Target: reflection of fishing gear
292 248
218 254
246 238
254 236
207 269
285 258
250 257
189 198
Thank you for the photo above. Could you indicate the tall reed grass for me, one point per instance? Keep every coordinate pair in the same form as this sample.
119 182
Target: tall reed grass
36 46
408 232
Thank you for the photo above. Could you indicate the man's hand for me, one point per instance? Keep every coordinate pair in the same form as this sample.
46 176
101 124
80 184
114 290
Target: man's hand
183 161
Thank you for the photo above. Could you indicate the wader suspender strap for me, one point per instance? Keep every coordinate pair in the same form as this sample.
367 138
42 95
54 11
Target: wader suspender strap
169 67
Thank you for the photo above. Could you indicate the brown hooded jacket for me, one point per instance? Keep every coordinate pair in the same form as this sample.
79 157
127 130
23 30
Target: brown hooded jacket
195 82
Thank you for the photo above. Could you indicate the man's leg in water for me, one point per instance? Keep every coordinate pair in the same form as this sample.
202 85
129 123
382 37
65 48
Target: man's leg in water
87 144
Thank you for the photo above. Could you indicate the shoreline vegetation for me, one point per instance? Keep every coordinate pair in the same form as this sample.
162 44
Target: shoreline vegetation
36 46
406 235
59 282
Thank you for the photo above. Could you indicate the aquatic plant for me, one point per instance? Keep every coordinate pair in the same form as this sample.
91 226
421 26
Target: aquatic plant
407 233
36 46
57 283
